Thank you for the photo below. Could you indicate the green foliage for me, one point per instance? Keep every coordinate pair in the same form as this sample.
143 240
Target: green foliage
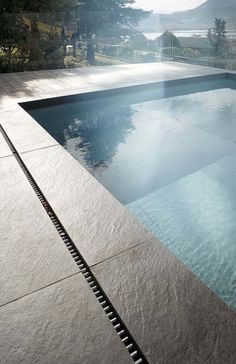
36 6
127 52
149 57
13 42
187 52
138 41
25 44
218 38
168 39
114 17
22 45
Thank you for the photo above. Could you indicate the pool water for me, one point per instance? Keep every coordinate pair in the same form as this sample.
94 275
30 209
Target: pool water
170 157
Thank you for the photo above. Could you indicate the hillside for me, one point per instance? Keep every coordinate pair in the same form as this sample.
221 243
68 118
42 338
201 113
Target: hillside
201 17
214 4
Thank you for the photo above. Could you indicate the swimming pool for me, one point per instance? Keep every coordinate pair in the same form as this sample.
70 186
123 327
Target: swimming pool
168 153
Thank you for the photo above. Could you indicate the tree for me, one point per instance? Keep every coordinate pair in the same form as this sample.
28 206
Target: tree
138 41
39 47
115 18
218 39
168 40
14 36
99 132
23 44
46 47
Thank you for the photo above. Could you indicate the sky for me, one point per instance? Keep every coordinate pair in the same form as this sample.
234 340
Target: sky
162 6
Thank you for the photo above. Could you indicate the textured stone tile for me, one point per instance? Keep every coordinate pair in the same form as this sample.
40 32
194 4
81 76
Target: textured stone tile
4 149
75 89
53 82
25 133
172 315
99 225
32 254
60 324
133 74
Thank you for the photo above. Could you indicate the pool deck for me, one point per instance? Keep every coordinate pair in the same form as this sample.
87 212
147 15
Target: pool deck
48 312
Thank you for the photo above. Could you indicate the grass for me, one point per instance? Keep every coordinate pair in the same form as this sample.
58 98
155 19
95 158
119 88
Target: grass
45 28
71 62
104 60
101 60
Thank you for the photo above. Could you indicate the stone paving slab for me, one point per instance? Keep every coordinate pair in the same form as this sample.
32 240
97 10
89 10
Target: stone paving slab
171 314
61 324
26 86
188 322
25 133
127 75
4 149
32 254
98 224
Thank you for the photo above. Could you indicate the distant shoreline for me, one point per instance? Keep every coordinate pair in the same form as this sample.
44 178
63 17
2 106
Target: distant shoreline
187 34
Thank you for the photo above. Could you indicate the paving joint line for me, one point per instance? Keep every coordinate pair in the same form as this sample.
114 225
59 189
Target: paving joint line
119 326
39 289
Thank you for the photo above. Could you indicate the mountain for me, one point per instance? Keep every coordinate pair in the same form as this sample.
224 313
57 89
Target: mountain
214 4
201 17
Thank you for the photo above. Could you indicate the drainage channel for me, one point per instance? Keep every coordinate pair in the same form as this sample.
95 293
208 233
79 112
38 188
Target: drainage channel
119 326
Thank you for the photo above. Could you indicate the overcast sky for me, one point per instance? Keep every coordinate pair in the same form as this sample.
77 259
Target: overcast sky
168 5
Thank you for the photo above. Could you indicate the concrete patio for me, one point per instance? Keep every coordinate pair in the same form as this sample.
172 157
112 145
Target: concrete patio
49 314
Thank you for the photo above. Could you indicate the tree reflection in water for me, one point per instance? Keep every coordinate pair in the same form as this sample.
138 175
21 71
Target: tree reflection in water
95 135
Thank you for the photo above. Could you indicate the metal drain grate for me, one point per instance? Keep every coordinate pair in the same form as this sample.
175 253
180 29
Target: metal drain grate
122 331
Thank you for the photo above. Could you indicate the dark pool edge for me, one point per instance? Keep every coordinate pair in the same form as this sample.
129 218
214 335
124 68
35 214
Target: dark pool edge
91 95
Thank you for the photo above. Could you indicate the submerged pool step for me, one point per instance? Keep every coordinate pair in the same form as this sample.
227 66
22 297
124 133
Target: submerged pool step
119 326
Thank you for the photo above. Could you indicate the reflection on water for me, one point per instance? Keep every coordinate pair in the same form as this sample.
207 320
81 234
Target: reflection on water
214 112
147 139
95 135
91 132
170 157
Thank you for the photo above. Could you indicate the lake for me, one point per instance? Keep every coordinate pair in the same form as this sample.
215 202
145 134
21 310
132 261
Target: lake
189 33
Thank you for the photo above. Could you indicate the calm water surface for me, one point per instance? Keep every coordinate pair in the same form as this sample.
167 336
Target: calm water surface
171 161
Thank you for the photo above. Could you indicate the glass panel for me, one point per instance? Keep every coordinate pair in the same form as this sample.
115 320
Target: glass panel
85 35
207 34
81 37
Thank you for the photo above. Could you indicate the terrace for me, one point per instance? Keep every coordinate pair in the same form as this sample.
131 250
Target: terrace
82 281
118 200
